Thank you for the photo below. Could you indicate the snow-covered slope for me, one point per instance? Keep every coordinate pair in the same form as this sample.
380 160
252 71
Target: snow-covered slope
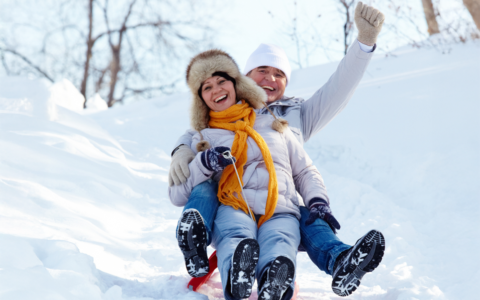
84 211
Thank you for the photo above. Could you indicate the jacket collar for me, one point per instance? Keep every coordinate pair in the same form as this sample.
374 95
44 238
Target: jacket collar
286 101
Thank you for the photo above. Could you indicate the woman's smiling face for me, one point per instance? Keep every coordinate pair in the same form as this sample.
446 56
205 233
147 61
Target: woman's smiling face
218 93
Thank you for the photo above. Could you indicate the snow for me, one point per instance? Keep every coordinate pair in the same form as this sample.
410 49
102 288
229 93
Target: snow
64 93
96 103
84 210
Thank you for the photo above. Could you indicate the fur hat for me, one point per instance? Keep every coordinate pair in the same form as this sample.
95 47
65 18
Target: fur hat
201 67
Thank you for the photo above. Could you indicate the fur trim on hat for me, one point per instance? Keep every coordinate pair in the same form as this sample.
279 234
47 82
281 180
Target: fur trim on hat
202 67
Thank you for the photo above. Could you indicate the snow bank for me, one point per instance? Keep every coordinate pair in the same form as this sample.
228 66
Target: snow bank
96 103
37 97
74 201
84 211
64 93
26 96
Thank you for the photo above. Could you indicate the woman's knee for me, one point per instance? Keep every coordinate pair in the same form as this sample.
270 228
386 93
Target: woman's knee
232 223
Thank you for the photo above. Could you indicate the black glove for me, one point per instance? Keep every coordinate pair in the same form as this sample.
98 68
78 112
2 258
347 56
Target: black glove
213 159
319 208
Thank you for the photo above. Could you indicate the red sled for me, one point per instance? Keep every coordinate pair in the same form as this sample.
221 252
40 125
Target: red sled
195 283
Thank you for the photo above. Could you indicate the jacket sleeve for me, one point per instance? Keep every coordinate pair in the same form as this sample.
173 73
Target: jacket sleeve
333 96
186 138
307 179
179 194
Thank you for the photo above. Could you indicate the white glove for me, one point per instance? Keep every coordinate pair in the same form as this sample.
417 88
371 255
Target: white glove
179 171
369 22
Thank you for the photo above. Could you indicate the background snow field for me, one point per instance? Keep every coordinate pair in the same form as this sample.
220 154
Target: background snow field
85 214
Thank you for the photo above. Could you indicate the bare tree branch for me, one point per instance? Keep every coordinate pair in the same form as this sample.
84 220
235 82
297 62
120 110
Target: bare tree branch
120 50
4 63
29 62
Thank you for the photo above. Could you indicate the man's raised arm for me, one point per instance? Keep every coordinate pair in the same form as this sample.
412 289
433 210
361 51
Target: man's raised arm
334 95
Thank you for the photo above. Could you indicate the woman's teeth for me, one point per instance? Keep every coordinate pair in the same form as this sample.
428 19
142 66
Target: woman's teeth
268 87
220 98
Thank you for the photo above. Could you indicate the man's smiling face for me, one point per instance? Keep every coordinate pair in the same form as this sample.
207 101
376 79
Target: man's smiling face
271 79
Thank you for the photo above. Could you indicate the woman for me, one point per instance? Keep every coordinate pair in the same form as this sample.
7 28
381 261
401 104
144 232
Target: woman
272 165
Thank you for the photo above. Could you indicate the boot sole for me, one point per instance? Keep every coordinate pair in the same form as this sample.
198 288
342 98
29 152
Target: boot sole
279 277
365 257
244 262
192 240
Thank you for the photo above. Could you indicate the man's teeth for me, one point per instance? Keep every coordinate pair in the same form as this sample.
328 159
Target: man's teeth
220 98
268 87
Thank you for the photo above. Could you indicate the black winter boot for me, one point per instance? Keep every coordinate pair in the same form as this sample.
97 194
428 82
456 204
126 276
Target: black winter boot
192 240
242 271
277 279
355 262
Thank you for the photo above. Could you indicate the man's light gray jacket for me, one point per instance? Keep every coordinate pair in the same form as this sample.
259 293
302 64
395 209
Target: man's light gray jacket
306 118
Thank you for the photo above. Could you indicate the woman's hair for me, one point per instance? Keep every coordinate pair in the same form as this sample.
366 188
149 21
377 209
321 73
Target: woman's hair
221 74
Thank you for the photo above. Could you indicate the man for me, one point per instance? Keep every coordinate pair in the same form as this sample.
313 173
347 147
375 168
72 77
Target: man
268 66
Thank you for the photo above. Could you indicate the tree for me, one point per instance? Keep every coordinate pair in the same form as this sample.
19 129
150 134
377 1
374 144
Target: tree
88 55
430 16
473 7
122 50
348 11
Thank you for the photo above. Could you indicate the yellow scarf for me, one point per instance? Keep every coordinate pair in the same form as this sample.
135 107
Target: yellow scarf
229 188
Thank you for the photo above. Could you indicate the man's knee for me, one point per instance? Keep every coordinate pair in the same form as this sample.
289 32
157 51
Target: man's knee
207 188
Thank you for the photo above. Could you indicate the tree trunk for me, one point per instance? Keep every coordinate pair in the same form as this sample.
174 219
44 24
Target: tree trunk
347 27
114 69
86 67
430 16
473 7
115 64
345 34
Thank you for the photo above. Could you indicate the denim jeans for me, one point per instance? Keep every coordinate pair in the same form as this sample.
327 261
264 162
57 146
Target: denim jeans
318 239
204 199
321 244
277 236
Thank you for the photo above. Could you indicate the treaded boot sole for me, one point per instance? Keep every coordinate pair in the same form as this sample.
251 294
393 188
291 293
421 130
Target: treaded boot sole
242 272
363 257
192 240
279 277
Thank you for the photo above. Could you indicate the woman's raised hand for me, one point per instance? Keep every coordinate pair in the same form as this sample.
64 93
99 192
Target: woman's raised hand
214 160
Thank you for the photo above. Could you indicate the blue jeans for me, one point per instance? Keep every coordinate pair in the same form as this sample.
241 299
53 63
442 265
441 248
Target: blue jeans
321 244
204 199
277 236
318 239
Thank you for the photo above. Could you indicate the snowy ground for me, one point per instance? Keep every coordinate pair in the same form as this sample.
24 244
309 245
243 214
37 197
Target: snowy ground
84 212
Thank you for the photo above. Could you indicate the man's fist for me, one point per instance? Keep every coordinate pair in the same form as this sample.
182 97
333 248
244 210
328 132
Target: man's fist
369 22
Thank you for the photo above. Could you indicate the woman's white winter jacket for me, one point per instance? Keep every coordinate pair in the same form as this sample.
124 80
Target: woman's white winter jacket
293 167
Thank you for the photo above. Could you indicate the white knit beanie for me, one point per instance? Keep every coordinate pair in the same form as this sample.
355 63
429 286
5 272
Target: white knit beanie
271 56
